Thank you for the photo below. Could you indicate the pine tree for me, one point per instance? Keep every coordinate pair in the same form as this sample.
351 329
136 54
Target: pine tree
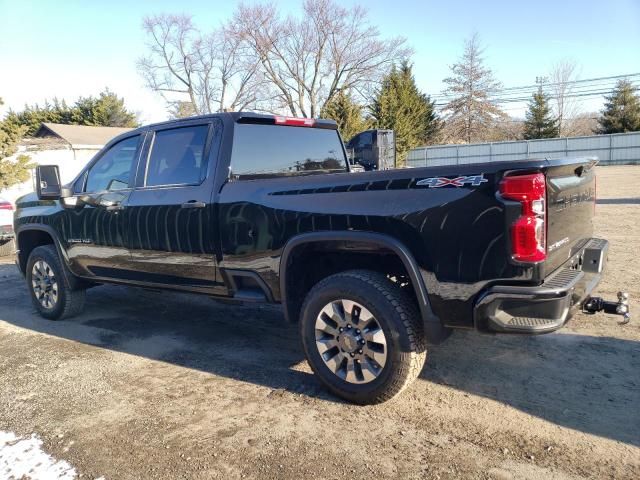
400 106
540 122
471 113
34 115
12 172
621 110
107 110
346 113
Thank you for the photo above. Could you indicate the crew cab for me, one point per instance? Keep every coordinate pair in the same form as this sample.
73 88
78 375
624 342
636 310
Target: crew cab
371 265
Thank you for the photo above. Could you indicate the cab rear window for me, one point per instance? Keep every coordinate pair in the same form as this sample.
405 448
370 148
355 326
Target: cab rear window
263 151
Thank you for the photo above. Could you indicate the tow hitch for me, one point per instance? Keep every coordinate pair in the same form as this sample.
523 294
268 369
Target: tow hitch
621 307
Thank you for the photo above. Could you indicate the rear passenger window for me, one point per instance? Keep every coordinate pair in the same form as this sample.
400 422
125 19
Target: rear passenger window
177 157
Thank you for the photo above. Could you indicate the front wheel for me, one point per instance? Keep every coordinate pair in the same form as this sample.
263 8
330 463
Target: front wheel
51 291
362 336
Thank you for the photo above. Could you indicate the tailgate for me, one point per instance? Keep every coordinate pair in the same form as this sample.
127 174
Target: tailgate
571 193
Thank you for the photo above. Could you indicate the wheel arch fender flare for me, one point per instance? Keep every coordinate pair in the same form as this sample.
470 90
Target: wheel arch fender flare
30 227
377 239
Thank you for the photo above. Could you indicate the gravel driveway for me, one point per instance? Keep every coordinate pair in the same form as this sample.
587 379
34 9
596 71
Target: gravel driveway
160 385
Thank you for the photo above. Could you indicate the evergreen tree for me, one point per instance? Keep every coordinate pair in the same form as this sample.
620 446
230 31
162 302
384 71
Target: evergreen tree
621 110
34 115
10 135
472 114
12 172
400 106
106 110
540 122
346 113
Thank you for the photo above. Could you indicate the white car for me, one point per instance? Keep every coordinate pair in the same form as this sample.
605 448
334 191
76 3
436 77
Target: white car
6 227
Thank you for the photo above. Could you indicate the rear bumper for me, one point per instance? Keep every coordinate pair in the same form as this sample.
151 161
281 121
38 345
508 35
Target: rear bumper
546 307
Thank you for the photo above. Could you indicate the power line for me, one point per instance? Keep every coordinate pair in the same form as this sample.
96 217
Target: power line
587 87
574 82
613 78
525 96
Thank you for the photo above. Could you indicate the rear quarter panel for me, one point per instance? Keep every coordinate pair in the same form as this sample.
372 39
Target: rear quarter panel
456 234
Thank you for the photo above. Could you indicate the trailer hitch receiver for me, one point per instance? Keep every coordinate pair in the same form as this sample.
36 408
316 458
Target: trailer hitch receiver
598 304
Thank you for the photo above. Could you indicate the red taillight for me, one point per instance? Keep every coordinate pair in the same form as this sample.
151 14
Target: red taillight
295 122
6 206
528 232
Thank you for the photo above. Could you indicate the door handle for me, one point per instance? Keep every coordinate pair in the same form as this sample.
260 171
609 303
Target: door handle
116 207
193 204
110 205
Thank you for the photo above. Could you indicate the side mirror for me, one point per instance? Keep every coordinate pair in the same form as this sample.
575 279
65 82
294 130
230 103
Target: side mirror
48 185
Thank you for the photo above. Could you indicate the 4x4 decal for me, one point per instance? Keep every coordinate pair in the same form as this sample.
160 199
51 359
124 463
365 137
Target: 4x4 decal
436 182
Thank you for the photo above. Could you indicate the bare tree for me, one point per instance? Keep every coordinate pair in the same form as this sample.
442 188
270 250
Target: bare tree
584 124
562 77
471 114
506 130
308 60
199 73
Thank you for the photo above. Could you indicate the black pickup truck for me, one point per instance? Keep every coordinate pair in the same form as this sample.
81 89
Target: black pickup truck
371 265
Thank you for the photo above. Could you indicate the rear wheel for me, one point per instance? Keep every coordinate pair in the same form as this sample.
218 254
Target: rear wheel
362 336
51 292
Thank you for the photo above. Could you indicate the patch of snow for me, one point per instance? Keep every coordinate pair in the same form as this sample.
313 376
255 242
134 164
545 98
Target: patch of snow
23 457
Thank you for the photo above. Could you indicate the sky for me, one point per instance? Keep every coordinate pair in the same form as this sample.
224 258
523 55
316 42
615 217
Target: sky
68 49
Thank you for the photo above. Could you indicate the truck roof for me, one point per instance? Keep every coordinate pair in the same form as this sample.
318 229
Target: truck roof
248 117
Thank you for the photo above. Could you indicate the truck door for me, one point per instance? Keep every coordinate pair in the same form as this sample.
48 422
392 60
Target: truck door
170 214
94 229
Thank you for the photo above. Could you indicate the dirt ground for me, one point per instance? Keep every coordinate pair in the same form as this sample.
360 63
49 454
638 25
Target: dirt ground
160 385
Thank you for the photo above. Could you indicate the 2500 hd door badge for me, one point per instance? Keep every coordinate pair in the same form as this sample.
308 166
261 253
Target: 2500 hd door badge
437 182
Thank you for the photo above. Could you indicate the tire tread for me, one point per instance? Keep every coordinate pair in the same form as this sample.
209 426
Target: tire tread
407 311
73 298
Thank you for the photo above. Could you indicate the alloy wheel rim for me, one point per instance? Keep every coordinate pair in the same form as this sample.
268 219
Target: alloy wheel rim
44 284
350 341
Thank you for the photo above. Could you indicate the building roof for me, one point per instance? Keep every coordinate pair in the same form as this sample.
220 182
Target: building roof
77 135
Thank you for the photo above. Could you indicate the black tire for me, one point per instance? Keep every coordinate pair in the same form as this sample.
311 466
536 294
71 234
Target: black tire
69 301
7 247
394 312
